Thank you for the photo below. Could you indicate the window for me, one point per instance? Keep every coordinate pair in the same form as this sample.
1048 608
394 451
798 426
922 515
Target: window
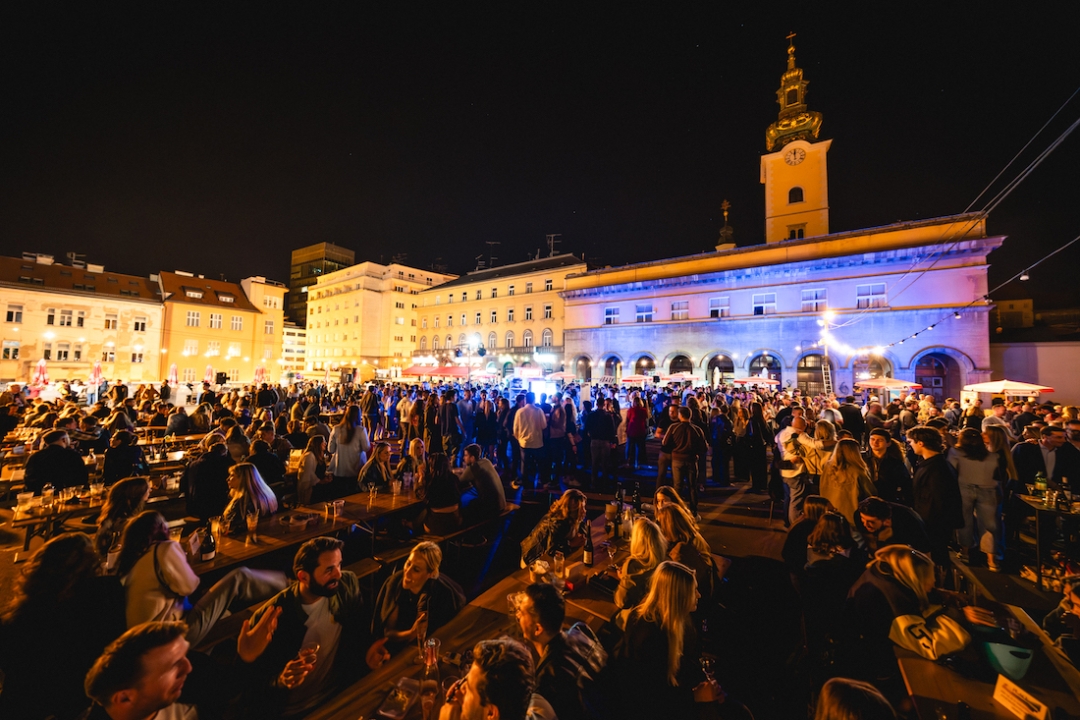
494 316
463 322
268 353
268 327
644 313
399 338
547 312
112 323
449 298
795 195
494 293
136 357
46 351
80 319
526 339
189 375
464 296
493 340
237 322
108 356
229 298
547 338
436 321
434 343
509 340
63 352
611 316
76 353
461 341
11 349
193 293
234 375
423 323
193 318
510 315
66 317
449 342
449 321
870 296
397 320
719 307
548 284
423 342
528 312
399 288
478 296
796 232
814 301
478 320
510 291
213 348
269 301
14 315
792 97
191 347
764 303
50 316
680 310
234 349
528 288
215 321
399 305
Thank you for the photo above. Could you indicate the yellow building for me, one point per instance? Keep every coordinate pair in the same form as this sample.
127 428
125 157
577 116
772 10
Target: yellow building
361 320
73 317
794 171
514 312
212 326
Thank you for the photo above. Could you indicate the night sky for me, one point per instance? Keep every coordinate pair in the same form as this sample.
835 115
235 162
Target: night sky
217 140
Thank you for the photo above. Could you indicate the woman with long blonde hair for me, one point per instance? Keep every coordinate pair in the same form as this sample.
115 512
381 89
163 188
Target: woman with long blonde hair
659 636
845 479
687 546
248 493
413 461
647 550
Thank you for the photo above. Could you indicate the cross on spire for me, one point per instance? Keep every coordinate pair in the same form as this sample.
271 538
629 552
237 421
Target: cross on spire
791 51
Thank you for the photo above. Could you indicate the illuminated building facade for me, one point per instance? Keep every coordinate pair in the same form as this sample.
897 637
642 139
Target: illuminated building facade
863 303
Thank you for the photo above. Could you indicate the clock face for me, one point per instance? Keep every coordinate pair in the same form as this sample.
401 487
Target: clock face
794 156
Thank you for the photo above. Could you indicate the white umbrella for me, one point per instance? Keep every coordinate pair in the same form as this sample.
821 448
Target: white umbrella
756 381
209 376
95 375
174 376
1008 387
41 374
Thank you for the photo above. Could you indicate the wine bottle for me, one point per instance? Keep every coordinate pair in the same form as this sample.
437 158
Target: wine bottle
208 549
429 684
637 498
587 558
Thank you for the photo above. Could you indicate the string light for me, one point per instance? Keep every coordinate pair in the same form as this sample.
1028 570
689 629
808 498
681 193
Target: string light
1024 275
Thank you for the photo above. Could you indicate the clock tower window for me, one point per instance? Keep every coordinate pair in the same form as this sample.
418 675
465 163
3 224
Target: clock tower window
795 195
793 96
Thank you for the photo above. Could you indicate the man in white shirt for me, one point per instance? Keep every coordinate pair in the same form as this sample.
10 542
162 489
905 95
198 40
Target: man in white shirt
792 466
529 424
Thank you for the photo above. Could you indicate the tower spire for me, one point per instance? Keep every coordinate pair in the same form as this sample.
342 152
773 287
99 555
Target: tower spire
795 121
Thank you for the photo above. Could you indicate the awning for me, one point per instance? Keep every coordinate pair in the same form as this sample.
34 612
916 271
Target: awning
429 371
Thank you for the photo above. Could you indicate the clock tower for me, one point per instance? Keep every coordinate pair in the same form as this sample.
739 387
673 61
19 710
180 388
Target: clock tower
794 171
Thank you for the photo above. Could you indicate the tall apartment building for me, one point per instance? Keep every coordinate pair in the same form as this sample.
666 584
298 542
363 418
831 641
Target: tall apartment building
308 265
293 352
212 326
361 320
514 312
74 316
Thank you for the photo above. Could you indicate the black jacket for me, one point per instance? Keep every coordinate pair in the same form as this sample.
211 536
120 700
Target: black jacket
853 420
937 495
891 478
122 462
1029 460
600 426
441 598
907 529
567 668
61 466
206 483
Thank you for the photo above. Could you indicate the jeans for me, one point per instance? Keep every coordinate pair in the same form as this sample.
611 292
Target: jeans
798 488
239 589
982 503
533 460
601 460
635 451
451 444
685 472
663 462
720 465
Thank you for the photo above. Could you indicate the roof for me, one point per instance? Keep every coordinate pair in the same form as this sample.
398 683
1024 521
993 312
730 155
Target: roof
507 271
202 291
837 244
32 274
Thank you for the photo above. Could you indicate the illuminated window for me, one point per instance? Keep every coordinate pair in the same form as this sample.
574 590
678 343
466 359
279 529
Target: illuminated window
764 303
814 301
719 307
871 296
680 310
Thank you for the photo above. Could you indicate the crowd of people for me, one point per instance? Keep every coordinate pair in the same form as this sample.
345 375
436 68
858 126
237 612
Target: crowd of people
876 497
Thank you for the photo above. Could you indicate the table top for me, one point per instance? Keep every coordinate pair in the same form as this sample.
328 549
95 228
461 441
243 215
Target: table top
87 506
359 507
933 686
194 438
1040 504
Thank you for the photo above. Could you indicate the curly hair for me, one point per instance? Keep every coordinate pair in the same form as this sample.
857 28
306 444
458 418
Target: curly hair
508 678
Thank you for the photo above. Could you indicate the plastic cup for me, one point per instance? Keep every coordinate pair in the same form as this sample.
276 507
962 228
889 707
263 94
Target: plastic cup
97 489
395 487
24 501
560 564
337 507
176 533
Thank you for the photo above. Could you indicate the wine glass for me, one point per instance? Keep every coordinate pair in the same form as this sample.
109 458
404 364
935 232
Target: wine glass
708 667
611 550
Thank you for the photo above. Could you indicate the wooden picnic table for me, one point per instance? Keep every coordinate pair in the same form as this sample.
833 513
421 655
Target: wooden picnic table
172 439
484 618
366 513
935 688
48 522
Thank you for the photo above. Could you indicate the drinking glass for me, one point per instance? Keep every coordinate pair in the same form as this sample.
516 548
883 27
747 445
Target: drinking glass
511 605
560 564
176 533
373 492
24 499
611 550
215 525
252 520
97 489
395 487
337 507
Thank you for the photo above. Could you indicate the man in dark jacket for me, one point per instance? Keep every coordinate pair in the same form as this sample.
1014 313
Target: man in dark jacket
1055 457
324 606
206 481
685 443
853 419
600 428
266 398
936 492
882 523
55 463
567 662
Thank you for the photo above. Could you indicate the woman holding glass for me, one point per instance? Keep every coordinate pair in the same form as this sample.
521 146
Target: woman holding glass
647 550
249 497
